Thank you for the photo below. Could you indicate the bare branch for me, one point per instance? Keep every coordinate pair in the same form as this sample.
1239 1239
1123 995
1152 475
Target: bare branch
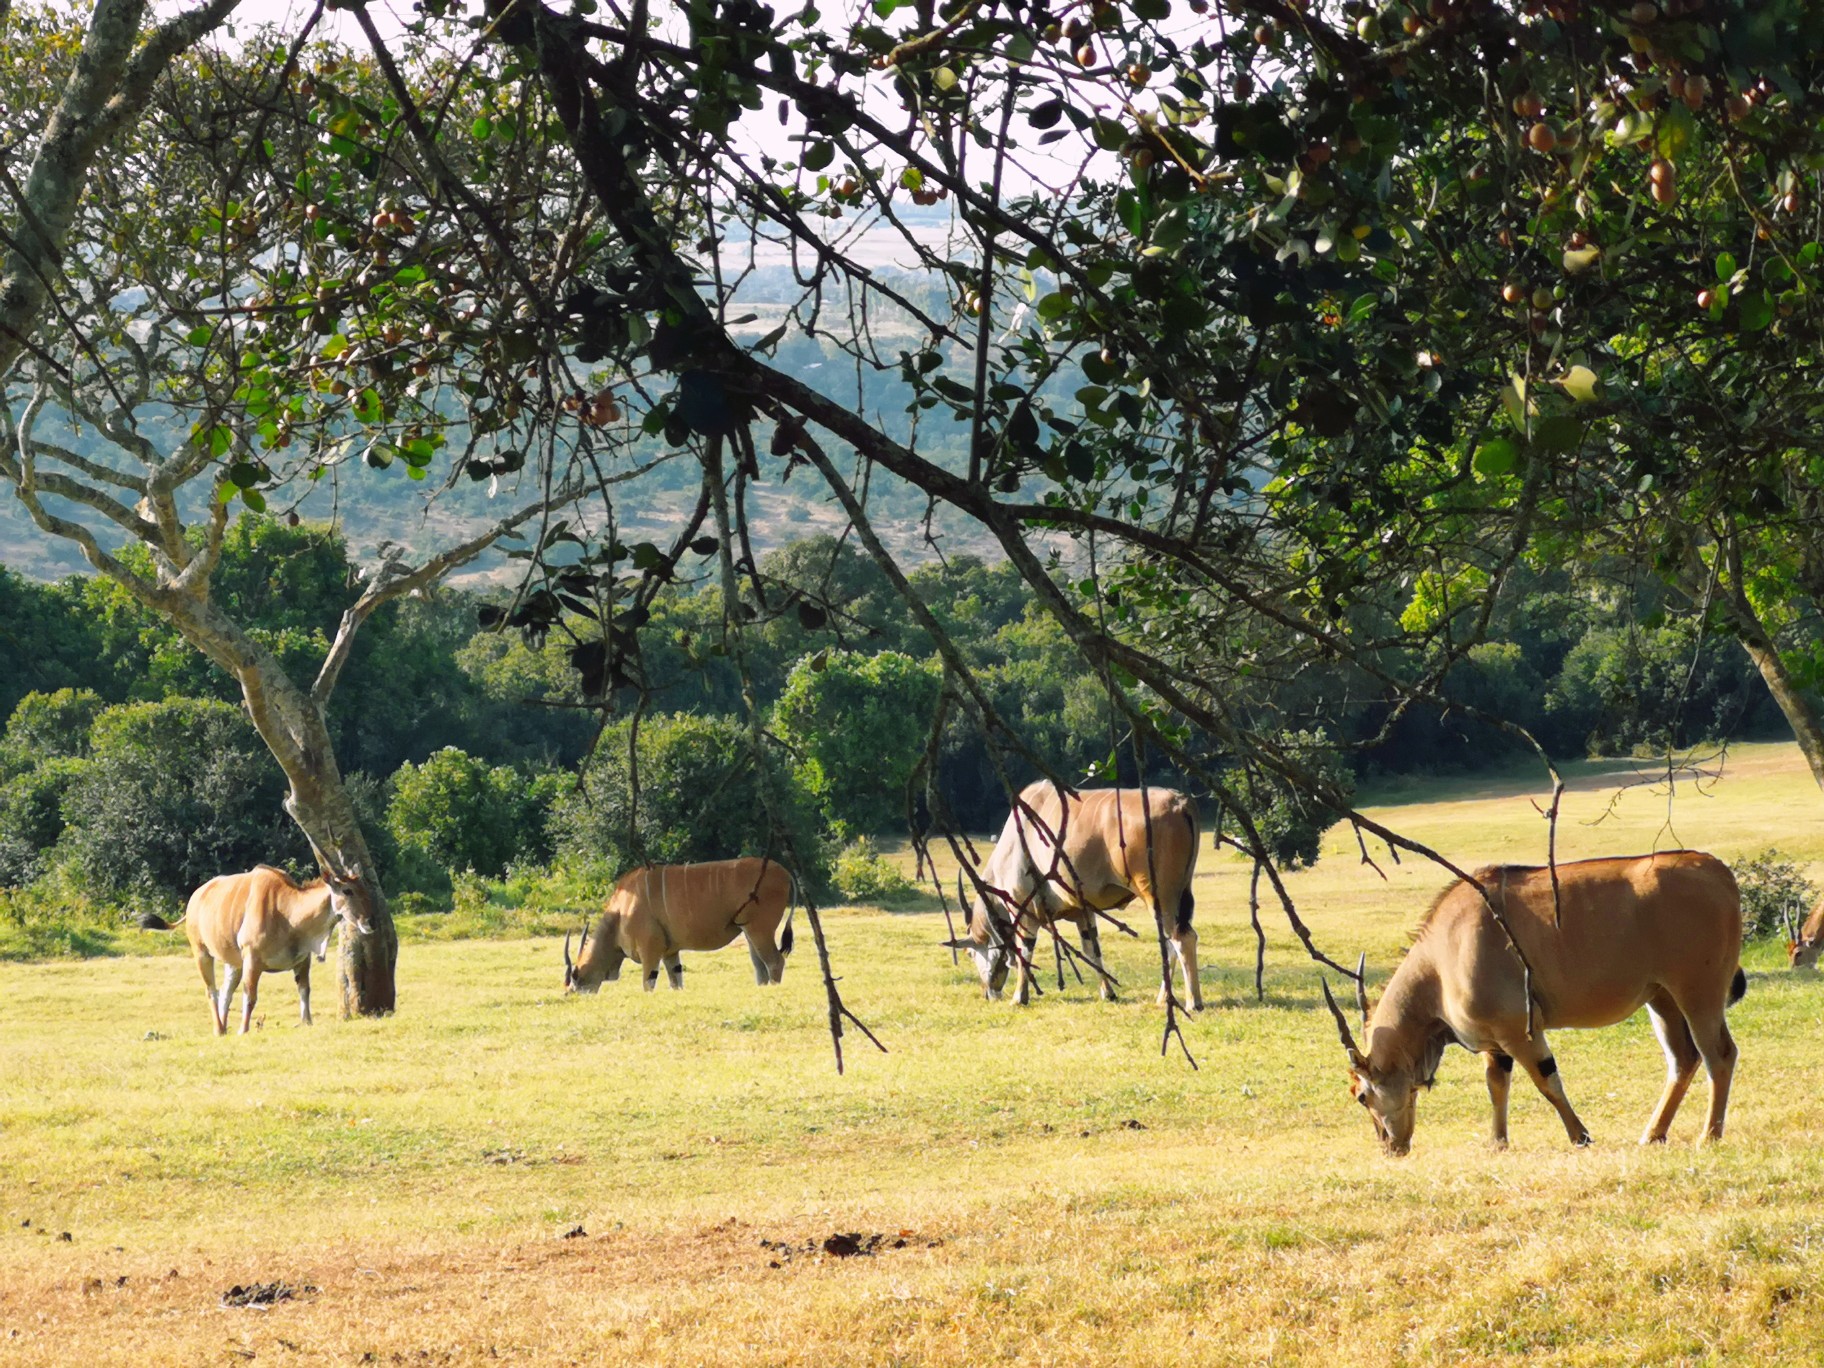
390 582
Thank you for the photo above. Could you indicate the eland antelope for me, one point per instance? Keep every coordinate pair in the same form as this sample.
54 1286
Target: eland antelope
1807 940
1662 931
264 921
1065 858
657 910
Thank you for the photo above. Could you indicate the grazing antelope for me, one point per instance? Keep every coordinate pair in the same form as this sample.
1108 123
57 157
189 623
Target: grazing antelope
1663 931
1070 857
261 922
658 910
1806 941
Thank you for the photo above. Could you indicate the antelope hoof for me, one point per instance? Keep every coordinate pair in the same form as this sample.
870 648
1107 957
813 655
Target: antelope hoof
1498 1143
1583 1140
1651 1139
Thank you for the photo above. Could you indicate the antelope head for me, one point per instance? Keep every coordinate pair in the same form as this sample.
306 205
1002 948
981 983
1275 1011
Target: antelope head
350 898
585 973
573 982
1801 949
993 957
1390 1096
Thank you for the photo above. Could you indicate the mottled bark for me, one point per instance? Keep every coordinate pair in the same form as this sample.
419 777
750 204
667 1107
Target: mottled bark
1800 710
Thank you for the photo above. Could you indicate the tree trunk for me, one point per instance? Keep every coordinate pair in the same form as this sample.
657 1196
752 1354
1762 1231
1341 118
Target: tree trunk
1801 712
292 726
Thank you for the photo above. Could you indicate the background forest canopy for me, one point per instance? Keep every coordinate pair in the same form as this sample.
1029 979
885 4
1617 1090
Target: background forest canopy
127 777
1345 377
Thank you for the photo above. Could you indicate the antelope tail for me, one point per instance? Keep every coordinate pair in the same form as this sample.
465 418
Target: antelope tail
151 921
785 936
1738 986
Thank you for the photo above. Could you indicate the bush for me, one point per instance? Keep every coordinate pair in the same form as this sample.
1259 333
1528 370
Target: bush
701 797
176 793
1292 825
861 874
462 813
859 723
32 820
48 727
1774 887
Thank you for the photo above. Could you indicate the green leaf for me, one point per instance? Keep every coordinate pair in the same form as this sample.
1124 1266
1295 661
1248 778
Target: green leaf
1674 130
481 128
1725 266
1755 310
1110 136
944 78
819 155
199 336
1557 433
1496 456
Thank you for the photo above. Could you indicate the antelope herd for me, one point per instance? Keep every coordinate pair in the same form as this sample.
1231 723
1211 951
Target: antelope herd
1501 956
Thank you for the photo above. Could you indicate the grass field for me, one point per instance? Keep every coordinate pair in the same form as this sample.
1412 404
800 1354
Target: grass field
503 1173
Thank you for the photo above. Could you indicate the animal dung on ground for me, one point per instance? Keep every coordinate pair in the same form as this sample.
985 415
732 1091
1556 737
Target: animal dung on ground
840 1245
262 1295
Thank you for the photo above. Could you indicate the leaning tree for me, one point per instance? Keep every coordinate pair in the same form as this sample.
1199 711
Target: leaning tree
207 288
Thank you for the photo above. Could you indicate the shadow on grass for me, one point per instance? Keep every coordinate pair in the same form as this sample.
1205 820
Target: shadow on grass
37 940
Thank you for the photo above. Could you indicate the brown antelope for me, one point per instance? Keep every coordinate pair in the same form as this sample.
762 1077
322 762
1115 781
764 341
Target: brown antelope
658 910
1806 941
261 922
1065 859
1663 931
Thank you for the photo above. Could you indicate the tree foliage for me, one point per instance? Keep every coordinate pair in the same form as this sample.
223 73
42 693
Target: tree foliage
682 788
174 794
858 724
466 814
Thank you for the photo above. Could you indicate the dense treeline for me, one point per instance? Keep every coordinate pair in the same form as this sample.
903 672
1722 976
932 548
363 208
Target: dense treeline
128 773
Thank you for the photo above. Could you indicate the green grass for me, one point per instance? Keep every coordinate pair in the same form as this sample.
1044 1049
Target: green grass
421 1172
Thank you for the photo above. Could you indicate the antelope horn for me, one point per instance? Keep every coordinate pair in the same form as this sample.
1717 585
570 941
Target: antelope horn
568 964
1361 990
1342 1026
962 898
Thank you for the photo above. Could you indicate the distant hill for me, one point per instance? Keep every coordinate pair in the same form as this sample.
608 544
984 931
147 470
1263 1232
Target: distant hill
373 506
